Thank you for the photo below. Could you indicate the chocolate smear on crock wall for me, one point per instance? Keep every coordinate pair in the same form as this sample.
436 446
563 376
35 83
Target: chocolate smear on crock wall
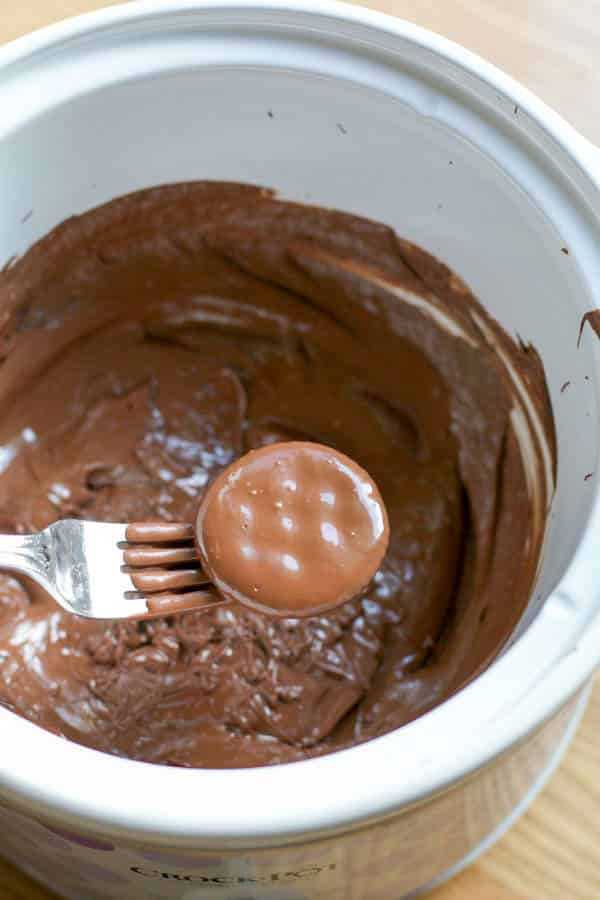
592 318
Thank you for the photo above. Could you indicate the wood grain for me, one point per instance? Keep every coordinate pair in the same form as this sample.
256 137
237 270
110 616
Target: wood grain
552 46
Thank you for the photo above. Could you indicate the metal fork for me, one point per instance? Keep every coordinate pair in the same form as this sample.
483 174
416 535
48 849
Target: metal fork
112 571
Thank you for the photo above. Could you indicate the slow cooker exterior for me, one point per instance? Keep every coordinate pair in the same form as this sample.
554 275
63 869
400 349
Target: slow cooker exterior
400 857
393 816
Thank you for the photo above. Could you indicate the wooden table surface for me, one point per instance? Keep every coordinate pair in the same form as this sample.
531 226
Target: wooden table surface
552 46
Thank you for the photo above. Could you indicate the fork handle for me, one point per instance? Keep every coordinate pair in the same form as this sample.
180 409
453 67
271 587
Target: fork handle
27 554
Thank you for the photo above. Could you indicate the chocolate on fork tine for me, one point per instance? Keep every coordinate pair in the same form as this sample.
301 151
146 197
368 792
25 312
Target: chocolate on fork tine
163 564
160 533
151 544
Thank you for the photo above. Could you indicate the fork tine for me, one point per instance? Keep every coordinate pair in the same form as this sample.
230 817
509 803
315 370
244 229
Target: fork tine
158 556
167 603
158 532
151 581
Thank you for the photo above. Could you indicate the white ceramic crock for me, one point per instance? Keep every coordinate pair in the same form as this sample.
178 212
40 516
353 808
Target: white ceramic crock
347 108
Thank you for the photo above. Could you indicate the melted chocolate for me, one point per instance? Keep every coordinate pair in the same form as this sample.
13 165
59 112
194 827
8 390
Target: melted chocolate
149 344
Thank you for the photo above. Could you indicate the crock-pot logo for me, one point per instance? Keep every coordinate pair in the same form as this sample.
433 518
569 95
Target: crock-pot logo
229 880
